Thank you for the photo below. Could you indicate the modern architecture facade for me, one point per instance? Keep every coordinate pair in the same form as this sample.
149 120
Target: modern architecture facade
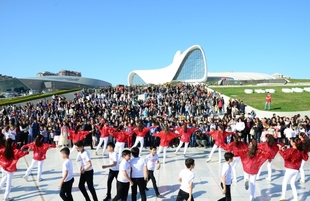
47 81
189 66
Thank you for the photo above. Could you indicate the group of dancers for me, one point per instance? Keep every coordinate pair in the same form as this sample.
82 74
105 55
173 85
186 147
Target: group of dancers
252 155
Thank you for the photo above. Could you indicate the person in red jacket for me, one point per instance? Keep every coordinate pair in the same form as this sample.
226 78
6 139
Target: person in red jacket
141 132
219 137
269 146
306 147
252 159
121 137
236 144
185 134
105 131
76 135
165 137
292 161
39 155
9 158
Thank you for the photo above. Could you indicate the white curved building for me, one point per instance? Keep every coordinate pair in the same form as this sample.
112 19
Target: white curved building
189 66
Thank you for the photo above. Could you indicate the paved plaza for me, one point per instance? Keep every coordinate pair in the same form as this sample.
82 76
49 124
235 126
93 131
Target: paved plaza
206 185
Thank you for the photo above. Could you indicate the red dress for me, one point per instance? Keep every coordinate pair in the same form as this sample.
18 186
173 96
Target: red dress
219 136
80 135
252 165
273 150
121 136
185 137
105 131
165 138
232 147
293 158
10 165
39 153
143 132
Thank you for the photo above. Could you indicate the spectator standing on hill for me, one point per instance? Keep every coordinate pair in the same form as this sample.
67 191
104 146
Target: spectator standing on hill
268 101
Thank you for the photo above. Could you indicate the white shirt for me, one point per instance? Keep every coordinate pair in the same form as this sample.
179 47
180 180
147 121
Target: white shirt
67 166
113 157
151 161
226 171
240 126
84 158
187 177
137 164
124 165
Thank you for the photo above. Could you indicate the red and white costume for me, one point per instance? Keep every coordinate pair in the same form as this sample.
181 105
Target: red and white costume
8 167
165 139
39 155
219 136
185 137
75 137
121 138
292 162
105 131
140 136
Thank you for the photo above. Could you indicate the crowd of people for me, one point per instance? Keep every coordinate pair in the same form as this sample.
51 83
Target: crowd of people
167 115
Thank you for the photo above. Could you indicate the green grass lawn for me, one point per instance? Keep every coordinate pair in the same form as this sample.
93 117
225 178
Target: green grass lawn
282 102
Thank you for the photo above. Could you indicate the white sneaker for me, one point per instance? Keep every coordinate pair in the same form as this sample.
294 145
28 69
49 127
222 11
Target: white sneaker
234 180
282 199
246 185
40 179
302 181
257 178
208 160
25 177
268 179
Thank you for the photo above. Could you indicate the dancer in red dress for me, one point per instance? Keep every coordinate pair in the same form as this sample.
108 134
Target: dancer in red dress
141 132
39 155
292 162
252 159
236 144
219 137
121 137
76 135
269 146
165 137
8 160
306 147
105 131
185 134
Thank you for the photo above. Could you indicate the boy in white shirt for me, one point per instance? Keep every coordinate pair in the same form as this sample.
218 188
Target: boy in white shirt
123 177
86 172
226 176
186 178
139 174
151 161
114 168
67 179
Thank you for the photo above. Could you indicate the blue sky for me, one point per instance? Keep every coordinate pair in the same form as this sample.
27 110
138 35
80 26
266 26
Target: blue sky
108 39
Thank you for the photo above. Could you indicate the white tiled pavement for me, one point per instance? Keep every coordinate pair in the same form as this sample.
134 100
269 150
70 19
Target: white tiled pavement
206 182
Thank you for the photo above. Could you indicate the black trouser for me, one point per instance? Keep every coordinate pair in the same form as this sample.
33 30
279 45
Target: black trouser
151 177
23 138
182 195
65 190
227 194
141 183
122 191
87 177
88 141
112 174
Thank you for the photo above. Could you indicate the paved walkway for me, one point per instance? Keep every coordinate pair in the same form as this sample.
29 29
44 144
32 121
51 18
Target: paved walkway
206 188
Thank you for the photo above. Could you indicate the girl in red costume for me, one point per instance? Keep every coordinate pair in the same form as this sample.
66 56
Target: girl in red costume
165 137
232 147
219 136
292 162
76 135
105 131
9 158
121 137
252 159
39 155
306 147
185 136
129 129
269 146
141 132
